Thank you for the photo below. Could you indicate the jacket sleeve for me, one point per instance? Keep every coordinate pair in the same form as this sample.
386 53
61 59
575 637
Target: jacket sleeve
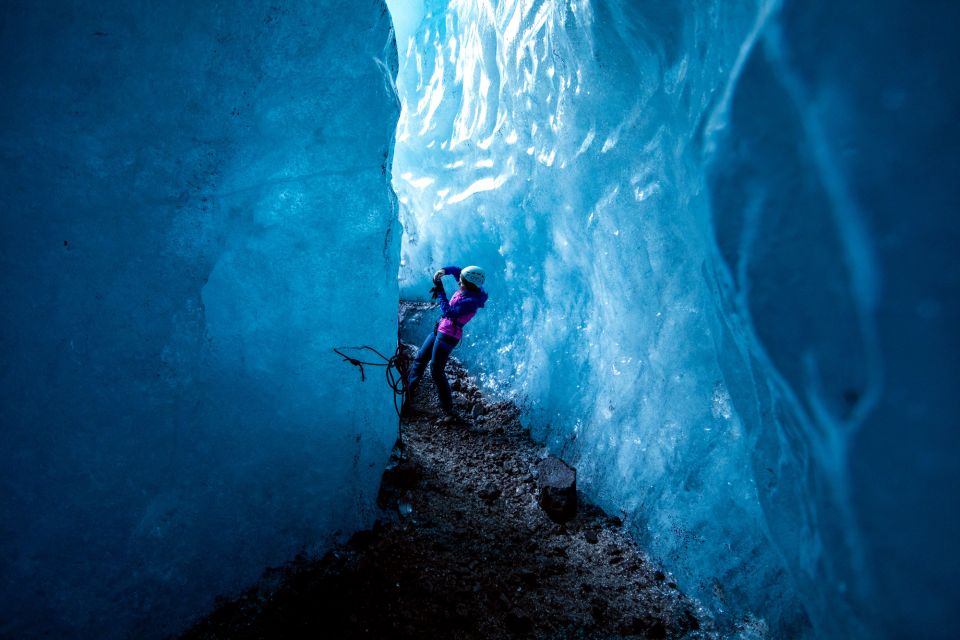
462 306
453 271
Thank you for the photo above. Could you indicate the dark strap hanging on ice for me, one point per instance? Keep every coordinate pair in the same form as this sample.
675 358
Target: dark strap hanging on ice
396 370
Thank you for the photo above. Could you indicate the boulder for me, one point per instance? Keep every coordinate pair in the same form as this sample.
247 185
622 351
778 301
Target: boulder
557 482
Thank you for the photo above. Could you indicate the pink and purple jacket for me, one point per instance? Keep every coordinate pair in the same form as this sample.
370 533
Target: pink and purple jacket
458 310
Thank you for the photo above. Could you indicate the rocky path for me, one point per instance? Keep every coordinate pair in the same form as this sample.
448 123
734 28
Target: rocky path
463 550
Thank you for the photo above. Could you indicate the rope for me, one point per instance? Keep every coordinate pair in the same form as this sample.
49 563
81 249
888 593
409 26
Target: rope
396 370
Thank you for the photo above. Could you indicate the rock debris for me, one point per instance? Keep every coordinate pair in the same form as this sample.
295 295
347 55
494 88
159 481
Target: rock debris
462 550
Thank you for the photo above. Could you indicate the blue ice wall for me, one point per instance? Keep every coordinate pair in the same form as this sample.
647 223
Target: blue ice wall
723 269
196 208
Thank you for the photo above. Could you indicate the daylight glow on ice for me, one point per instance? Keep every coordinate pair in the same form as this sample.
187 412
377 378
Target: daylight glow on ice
721 249
675 206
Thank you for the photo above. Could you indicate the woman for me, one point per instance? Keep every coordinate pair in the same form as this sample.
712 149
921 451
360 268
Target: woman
456 312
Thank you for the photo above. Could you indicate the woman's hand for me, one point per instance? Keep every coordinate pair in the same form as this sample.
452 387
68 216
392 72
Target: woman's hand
438 275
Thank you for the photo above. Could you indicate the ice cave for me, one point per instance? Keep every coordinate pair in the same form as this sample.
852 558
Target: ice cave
722 252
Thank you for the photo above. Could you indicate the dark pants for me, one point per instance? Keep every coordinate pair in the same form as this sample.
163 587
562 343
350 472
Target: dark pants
435 350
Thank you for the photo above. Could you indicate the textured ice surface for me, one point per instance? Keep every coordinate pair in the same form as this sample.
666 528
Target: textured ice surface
721 246
195 209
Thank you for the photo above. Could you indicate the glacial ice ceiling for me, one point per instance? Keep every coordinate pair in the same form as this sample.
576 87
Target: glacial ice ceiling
722 274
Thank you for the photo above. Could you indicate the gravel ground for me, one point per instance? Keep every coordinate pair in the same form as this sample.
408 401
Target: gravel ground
462 550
